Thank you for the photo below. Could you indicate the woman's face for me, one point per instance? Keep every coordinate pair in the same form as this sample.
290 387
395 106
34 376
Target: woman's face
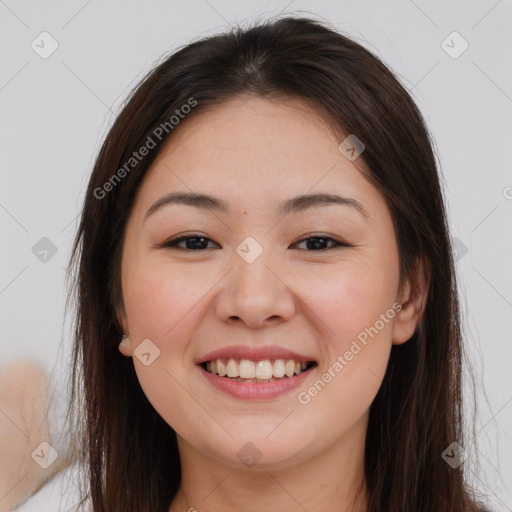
262 284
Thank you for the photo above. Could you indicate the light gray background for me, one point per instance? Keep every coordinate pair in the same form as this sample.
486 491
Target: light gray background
56 111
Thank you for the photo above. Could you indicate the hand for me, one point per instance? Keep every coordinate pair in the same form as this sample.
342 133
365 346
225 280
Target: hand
24 401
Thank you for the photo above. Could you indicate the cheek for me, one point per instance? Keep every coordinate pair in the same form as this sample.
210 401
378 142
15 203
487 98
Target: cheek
160 304
349 299
158 298
355 308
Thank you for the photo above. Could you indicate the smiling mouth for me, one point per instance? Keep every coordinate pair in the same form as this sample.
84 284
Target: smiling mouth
264 371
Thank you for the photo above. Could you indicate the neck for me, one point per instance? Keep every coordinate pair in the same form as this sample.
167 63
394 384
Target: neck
333 480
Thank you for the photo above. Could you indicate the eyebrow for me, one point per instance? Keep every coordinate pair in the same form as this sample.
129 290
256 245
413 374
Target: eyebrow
295 204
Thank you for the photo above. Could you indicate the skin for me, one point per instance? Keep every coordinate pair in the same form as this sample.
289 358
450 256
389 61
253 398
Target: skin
255 153
24 402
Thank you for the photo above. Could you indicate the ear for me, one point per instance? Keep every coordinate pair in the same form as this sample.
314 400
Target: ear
120 319
412 296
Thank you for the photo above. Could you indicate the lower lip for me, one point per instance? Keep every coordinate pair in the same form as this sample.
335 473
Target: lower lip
255 390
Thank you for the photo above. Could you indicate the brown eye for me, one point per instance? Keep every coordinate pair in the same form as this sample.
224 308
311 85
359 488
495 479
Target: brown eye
193 243
318 243
200 243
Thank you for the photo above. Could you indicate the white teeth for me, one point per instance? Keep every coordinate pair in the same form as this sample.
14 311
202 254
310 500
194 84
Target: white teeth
232 369
264 370
248 369
279 368
221 368
260 371
289 368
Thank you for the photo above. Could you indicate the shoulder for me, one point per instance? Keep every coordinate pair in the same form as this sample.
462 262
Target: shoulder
60 494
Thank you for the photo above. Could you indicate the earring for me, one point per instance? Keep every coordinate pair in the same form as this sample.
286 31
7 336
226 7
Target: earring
125 342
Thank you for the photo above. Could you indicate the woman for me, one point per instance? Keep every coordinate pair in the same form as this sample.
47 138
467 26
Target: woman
265 231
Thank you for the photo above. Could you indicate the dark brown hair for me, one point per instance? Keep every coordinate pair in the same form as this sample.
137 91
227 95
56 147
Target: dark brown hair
129 451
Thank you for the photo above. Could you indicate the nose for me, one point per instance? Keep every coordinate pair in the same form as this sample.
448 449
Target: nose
256 294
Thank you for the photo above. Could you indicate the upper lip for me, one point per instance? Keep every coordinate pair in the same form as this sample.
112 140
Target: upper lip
253 354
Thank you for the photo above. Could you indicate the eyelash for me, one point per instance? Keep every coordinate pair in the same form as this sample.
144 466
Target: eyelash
174 243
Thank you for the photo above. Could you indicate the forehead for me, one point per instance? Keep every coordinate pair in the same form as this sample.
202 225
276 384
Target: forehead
257 151
249 127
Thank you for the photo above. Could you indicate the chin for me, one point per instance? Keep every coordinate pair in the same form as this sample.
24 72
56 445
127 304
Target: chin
257 453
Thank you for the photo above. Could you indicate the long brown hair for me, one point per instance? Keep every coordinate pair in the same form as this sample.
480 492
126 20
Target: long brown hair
130 453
